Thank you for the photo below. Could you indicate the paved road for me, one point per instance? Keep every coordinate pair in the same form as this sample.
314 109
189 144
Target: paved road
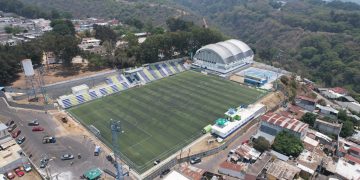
65 144
211 163
58 89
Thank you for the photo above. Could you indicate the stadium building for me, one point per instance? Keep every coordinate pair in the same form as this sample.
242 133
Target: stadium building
224 56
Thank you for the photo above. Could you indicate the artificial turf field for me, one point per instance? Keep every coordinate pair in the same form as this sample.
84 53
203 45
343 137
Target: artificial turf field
163 116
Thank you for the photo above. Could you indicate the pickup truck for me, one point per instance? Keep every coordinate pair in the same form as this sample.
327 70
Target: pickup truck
48 139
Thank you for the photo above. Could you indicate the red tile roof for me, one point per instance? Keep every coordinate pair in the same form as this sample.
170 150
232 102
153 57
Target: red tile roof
232 166
355 149
339 90
284 122
352 158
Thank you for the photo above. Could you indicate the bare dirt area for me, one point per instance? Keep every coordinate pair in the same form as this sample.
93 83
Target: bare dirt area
57 73
272 100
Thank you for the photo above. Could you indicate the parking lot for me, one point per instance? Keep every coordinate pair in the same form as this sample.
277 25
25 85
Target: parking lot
65 143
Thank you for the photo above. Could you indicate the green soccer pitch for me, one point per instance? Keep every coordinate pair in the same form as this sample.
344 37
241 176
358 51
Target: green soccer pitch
163 116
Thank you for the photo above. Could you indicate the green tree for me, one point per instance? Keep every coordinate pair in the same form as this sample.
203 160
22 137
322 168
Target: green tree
261 144
347 129
309 118
176 24
287 144
63 27
105 33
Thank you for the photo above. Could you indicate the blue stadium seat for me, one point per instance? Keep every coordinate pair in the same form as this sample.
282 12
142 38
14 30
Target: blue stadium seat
103 91
125 85
93 95
115 88
174 66
160 70
80 99
143 75
66 103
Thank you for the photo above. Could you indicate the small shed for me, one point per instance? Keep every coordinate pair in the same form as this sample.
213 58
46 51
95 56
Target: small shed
82 89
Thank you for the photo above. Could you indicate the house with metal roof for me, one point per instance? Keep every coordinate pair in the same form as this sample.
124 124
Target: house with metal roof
224 57
272 124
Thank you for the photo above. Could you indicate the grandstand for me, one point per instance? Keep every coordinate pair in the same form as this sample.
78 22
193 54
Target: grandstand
130 78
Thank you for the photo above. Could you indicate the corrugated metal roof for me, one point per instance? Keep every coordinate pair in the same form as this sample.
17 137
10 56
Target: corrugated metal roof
284 122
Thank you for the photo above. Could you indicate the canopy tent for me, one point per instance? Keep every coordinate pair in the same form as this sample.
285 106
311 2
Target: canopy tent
93 173
221 121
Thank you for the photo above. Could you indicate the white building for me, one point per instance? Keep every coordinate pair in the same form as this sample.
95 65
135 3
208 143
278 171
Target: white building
244 114
347 170
89 42
224 56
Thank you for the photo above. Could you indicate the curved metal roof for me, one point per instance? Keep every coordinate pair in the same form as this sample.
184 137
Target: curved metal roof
228 50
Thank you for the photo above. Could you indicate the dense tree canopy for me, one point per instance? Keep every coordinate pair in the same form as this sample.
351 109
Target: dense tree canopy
261 144
287 144
309 118
29 11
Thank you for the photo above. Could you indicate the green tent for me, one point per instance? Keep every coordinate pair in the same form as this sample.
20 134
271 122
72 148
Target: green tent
93 173
221 121
207 129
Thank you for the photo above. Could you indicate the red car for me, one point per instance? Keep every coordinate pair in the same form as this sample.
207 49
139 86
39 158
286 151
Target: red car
37 128
10 175
16 133
19 172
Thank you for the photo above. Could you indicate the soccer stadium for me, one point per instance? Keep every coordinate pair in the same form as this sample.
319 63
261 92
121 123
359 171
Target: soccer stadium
160 117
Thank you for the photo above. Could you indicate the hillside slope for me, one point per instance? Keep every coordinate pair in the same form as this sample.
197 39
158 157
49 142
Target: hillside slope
318 40
148 11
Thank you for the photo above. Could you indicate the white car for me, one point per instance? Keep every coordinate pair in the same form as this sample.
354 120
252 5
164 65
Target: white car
27 167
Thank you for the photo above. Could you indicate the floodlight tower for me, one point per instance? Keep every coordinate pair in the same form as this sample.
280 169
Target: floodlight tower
115 131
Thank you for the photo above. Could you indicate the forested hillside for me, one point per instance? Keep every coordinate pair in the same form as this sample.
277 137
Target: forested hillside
154 11
316 39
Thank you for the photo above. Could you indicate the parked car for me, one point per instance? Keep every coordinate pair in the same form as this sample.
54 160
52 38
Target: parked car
165 172
10 175
67 157
110 158
37 128
9 123
19 172
97 150
27 167
16 133
20 140
157 162
48 139
44 162
33 123
195 160
11 127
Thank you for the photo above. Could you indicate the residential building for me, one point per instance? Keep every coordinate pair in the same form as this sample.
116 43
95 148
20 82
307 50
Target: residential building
306 103
327 111
247 153
281 170
327 127
272 124
346 169
233 170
